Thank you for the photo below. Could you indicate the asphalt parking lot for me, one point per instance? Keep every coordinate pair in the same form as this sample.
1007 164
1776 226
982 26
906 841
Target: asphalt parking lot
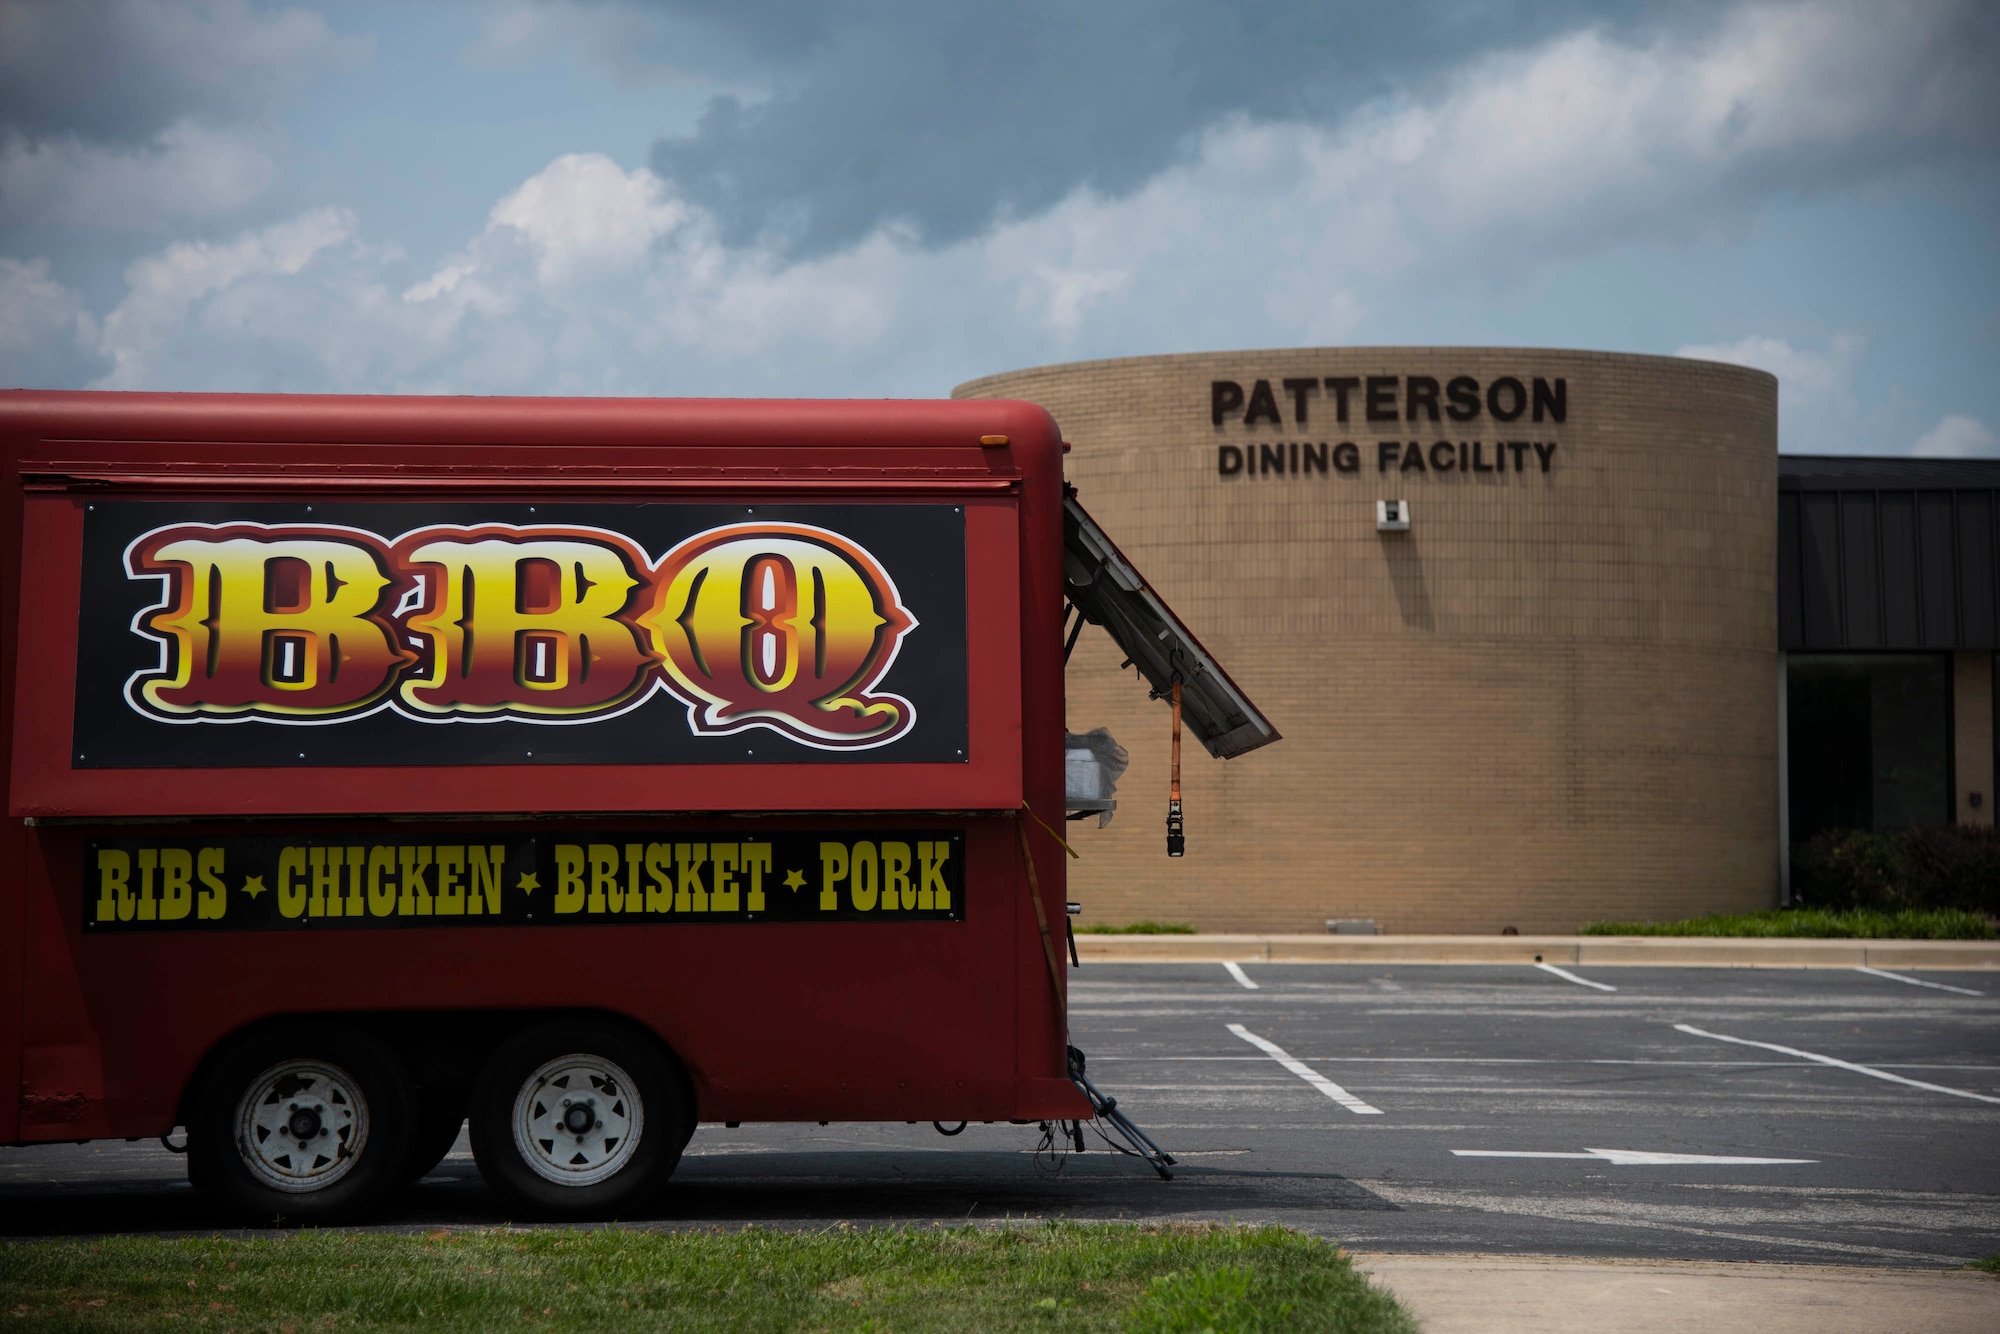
1497 1109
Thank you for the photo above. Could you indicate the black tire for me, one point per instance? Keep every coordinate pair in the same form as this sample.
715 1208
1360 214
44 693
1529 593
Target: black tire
436 1133
628 1088
331 1088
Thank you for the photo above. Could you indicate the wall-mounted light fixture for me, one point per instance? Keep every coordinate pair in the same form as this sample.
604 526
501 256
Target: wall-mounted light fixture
1392 516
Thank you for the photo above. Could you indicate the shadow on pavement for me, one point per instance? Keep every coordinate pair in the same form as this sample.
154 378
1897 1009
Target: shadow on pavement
777 1189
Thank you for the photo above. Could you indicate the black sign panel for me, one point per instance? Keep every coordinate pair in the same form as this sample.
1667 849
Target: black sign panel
219 635
284 882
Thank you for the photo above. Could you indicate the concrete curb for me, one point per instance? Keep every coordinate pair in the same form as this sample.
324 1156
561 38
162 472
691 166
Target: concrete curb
1677 951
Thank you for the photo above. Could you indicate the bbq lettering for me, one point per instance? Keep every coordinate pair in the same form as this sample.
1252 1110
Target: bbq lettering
530 622
781 626
285 624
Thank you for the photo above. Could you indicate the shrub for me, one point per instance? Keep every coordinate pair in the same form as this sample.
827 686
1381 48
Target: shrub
1948 866
1819 923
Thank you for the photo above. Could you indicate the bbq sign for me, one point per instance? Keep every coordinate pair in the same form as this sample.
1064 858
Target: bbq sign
278 883
401 634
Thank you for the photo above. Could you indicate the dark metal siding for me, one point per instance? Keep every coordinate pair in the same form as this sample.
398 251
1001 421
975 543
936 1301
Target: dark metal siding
1975 569
1901 616
1937 577
1864 564
1791 611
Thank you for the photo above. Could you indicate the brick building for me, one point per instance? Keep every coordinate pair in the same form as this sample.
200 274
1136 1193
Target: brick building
1560 694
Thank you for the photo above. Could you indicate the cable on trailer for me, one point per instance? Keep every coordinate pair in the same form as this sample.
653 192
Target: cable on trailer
1106 1107
1176 836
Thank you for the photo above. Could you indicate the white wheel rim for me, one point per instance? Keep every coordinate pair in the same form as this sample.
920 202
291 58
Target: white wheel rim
577 1120
301 1125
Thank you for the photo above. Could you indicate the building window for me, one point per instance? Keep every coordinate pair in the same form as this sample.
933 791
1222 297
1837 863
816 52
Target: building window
1869 741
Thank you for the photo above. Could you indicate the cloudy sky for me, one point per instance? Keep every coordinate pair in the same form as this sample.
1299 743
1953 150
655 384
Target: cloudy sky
886 197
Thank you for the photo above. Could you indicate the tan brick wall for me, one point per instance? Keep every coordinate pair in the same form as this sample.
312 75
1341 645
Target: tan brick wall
1550 702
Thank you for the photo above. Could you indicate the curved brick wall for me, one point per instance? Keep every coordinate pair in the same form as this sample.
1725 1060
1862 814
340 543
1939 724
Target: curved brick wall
1553 700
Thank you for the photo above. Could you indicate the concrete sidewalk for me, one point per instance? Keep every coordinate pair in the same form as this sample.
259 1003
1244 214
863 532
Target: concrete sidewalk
1679 951
1511 1294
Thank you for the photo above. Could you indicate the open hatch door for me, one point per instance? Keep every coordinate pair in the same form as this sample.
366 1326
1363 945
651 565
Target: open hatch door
1106 590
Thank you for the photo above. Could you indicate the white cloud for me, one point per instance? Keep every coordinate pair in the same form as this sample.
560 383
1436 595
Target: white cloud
196 297
138 116
580 219
1958 437
587 217
590 278
1817 408
1585 142
190 172
44 330
35 309
1804 376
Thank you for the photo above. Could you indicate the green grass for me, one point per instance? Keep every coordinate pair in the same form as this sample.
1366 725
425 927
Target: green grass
1137 929
1988 1263
1055 1276
1855 923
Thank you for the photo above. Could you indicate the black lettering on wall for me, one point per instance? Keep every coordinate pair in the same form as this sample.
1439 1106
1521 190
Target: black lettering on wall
1463 391
1224 397
1509 388
1386 398
1304 458
1382 398
1340 384
1264 407
1556 400
1420 391
1298 389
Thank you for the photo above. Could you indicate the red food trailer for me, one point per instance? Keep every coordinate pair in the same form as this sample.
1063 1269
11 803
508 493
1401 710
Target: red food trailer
589 768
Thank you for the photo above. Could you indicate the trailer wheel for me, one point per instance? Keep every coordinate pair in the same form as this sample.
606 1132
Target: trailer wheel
574 1120
310 1123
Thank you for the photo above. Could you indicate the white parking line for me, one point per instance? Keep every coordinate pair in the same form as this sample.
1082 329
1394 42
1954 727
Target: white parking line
1918 981
1236 971
1306 1072
1568 976
1550 1060
1868 1070
1635 1157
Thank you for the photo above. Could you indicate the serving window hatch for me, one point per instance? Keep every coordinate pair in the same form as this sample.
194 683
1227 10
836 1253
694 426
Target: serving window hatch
1106 589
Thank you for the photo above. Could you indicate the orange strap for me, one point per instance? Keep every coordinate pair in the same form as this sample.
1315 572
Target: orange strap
1041 913
1050 832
